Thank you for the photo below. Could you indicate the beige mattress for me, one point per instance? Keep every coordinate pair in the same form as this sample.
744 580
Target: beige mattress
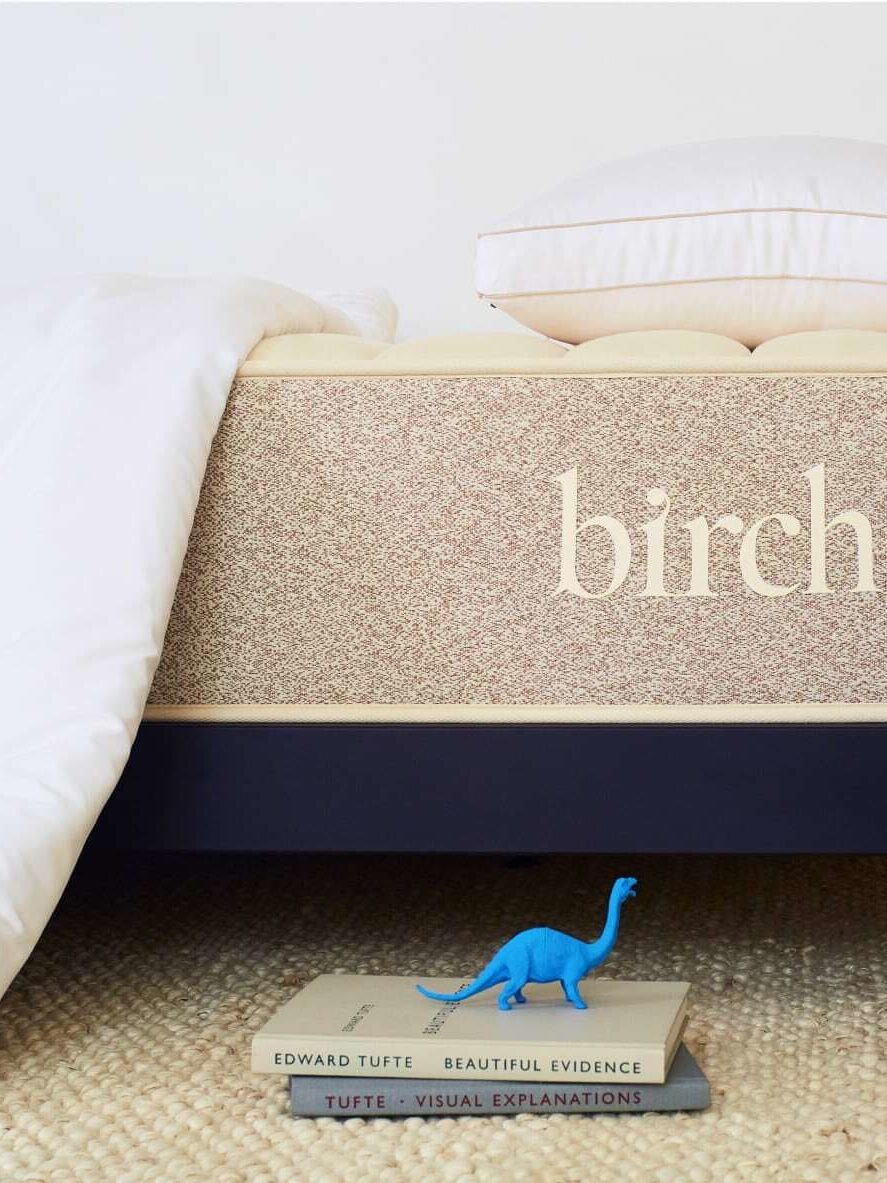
657 526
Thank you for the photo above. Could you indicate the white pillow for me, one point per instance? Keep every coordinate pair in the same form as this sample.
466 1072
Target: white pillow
370 313
750 238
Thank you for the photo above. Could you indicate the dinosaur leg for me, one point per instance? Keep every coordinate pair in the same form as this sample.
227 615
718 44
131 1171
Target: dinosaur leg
519 996
571 989
511 989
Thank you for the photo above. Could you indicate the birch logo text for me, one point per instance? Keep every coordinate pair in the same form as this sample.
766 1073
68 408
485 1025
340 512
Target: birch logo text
811 528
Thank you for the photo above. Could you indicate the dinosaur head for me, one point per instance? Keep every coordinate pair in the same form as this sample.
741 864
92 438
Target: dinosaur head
600 950
624 888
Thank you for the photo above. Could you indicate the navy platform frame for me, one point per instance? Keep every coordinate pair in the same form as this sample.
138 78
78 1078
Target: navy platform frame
502 788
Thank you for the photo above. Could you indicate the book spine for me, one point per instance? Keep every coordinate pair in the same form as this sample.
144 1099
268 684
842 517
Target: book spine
443 1061
340 1096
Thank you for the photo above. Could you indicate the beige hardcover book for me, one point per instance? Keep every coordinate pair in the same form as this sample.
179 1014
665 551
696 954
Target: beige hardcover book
363 1025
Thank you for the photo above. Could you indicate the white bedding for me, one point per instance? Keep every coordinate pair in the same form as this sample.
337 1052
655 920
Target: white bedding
111 389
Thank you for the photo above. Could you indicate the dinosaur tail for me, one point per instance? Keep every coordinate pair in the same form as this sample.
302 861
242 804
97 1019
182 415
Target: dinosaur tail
486 978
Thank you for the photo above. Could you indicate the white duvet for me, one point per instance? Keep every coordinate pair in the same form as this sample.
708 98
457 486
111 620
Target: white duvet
111 389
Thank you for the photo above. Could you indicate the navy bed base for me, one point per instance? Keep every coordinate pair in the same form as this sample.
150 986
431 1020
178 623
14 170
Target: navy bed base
502 788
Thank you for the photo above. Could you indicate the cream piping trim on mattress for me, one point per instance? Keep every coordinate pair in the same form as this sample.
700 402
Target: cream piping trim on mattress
814 712
535 370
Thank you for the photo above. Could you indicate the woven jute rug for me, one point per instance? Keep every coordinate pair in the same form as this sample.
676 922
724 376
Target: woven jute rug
124 1042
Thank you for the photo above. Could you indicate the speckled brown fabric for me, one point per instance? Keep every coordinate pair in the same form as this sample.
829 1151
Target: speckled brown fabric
397 540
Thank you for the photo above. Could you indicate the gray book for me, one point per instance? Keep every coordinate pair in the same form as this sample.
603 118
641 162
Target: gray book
373 1096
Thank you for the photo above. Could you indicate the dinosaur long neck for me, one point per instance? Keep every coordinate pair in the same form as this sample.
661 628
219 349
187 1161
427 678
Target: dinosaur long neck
603 946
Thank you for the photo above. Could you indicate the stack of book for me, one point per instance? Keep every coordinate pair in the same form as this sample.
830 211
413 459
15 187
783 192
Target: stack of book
356 1045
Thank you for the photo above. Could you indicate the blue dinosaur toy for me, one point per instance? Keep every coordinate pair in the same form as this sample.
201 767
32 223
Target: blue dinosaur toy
546 955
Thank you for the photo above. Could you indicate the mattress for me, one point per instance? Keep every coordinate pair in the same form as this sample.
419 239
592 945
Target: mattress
657 527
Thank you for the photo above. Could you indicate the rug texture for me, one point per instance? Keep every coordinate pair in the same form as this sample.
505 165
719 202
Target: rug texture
124 1042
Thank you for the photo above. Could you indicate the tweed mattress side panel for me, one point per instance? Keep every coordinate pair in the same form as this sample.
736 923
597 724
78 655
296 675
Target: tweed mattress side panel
538 540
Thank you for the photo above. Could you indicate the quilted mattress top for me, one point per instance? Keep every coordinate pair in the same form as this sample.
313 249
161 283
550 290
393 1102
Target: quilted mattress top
662 351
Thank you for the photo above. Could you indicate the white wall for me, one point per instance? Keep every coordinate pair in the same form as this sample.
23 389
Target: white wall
340 145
